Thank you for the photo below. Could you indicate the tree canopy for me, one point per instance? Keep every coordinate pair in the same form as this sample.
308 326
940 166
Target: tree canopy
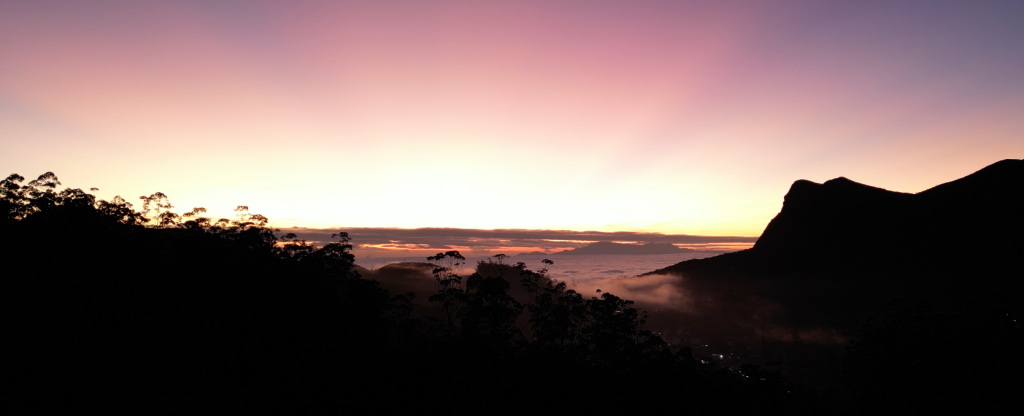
114 309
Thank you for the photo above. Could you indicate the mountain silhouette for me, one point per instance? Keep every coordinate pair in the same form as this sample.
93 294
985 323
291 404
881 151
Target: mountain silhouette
615 248
970 223
980 213
839 251
904 286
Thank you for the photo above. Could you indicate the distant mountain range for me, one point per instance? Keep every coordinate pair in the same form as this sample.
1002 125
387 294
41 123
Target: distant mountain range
616 248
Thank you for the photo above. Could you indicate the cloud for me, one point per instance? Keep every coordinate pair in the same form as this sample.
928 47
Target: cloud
663 291
509 241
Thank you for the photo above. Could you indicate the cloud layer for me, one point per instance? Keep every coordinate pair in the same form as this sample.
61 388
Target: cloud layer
395 240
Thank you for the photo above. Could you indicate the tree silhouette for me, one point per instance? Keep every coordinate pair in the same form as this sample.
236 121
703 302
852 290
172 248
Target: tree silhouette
450 299
116 310
490 314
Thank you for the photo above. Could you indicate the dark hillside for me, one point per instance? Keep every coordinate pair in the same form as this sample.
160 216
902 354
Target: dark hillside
840 216
838 253
841 219
111 310
957 239
99 310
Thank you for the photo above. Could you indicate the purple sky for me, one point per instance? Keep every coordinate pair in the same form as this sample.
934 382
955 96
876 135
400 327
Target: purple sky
674 117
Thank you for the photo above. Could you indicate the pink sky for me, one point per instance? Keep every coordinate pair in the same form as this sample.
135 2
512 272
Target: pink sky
674 117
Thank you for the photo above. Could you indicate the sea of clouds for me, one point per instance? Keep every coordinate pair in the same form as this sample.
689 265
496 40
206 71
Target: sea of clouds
616 274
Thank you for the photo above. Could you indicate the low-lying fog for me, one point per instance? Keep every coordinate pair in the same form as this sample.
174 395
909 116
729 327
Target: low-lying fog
578 268
588 273
666 297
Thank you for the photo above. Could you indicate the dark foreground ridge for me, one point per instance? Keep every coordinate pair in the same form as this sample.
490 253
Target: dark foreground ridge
841 252
109 309
112 310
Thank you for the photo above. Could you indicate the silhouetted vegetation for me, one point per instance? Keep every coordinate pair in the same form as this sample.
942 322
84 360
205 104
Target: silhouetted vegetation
116 310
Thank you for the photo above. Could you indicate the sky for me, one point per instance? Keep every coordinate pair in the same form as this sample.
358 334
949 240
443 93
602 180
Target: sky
670 117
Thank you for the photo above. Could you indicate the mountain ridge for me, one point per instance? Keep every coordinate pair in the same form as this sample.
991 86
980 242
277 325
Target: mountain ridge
841 214
841 250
